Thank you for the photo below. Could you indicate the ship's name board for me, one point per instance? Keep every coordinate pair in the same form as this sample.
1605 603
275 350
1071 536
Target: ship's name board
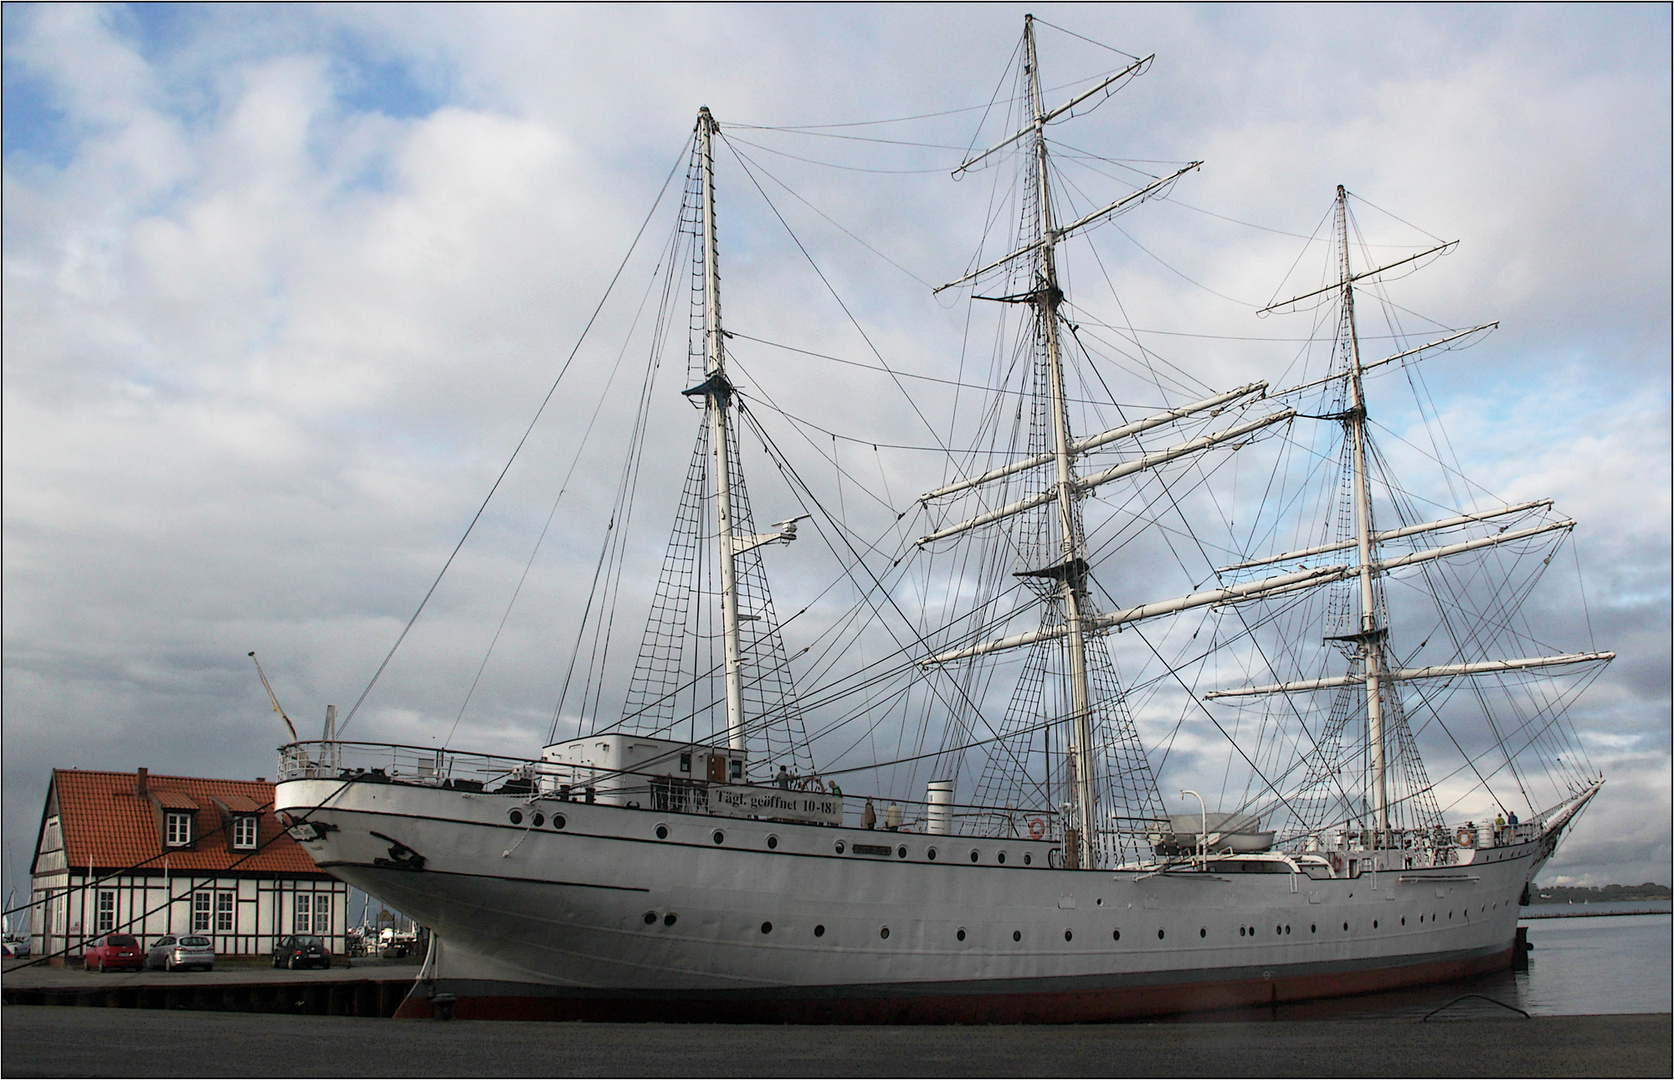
776 803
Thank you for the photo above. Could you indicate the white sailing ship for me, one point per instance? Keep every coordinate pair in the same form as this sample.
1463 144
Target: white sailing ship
654 865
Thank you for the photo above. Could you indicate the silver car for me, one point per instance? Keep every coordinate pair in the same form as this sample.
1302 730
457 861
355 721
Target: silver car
172 953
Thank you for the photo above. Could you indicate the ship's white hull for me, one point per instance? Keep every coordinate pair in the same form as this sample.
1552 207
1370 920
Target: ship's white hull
576 921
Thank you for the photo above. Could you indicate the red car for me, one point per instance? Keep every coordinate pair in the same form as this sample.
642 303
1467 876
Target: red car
114 951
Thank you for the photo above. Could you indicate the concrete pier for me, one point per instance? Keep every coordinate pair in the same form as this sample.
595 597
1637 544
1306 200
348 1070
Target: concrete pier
124 1042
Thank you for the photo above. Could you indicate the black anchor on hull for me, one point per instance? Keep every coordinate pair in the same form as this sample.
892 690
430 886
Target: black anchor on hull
401 857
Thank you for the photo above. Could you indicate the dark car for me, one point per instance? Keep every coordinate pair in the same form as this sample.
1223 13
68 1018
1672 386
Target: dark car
113 951
301 951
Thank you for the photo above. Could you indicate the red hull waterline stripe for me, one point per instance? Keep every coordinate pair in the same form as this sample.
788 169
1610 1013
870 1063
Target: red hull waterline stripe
1056 1007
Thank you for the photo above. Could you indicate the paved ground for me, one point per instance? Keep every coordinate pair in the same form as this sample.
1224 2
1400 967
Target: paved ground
125 1042
22 973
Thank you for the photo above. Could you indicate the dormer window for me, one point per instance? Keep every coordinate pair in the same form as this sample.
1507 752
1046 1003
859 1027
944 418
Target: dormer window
244 833
177 828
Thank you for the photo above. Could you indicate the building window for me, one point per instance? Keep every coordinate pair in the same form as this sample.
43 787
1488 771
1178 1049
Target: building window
224 913
304 913
107 910
244 833
179 829
322 913
200 912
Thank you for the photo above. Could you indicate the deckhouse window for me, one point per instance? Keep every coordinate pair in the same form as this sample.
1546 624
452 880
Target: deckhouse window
244 833
178 828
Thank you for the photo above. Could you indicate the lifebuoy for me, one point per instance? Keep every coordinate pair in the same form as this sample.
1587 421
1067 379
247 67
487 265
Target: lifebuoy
1465 837
1037 828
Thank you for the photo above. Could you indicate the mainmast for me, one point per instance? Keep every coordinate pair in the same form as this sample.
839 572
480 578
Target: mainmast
1371 635
1071 569
717 389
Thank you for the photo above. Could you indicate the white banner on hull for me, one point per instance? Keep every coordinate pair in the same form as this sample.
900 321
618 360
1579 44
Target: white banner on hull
760 802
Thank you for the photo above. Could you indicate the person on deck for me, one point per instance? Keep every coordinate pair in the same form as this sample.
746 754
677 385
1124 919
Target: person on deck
784 778
869 816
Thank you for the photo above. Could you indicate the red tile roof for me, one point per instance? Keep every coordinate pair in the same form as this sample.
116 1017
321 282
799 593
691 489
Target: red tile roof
175 800
106 823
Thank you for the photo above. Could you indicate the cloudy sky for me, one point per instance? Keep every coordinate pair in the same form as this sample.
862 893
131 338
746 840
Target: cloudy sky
284 285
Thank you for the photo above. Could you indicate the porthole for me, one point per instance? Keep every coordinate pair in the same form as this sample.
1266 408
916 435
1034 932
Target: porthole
1159 933
662 832
719 837
1115 935
1345 926
650 917
819 931
558 821
1028 859
1203 931
974 855
670 919
1312 929
930 853
1374 924
516 817
1000 858
540 819
1278 931
1017 935
883 932
839 845
1240 931
772 841
767 928
1069 935
960 934
1403 920
901 852
1287 928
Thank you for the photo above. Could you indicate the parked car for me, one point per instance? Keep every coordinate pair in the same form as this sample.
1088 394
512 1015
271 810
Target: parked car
113 951
171 953
301 951
15 945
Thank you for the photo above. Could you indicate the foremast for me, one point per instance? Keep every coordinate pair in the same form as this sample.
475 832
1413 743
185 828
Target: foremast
717 390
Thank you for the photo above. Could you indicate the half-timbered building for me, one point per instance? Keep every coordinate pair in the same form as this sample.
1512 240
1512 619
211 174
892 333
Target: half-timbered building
153 855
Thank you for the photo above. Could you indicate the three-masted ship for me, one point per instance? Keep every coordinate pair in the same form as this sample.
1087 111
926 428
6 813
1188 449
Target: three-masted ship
644 869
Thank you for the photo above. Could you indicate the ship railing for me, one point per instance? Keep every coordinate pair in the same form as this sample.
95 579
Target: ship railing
494 774
398 763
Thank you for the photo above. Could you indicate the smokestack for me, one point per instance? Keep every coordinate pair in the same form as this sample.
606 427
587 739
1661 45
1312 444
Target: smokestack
142 786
